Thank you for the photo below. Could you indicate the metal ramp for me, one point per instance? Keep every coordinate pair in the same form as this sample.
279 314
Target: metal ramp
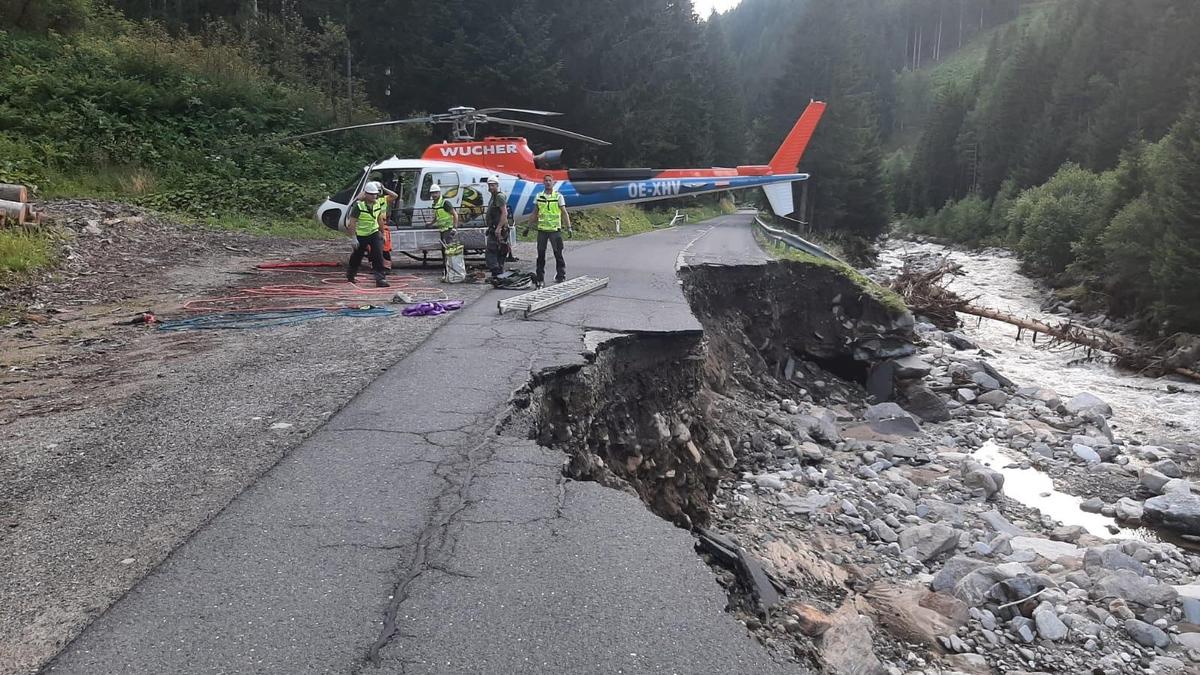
551 296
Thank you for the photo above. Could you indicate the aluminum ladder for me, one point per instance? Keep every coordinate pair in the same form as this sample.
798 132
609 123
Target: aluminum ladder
551 296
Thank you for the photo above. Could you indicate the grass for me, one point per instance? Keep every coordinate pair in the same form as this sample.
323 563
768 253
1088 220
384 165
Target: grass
283 228
885 296
108 182
25 251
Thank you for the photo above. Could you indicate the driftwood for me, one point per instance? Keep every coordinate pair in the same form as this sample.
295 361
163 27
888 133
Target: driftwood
14 193
926 293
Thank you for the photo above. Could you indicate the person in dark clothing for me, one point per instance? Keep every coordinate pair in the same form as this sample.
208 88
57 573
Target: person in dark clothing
550 215
364 217
496 234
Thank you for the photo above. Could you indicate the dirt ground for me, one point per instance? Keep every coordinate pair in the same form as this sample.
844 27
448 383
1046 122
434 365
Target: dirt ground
118 441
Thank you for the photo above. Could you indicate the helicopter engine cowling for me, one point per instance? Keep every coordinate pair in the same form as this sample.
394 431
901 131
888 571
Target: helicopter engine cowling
549 160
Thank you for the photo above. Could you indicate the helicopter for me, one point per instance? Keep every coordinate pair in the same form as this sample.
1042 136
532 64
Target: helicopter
462 165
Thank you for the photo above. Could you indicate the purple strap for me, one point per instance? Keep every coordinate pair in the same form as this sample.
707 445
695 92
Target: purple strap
432 308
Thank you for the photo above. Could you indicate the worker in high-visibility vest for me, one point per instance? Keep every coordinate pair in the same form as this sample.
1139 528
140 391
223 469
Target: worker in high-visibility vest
550 215
444 215
364 217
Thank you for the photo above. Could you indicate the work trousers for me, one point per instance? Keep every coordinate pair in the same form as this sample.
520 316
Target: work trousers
556 242
448 236
494 254
370 245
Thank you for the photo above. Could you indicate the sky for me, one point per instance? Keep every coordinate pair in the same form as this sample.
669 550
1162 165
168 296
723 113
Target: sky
705 7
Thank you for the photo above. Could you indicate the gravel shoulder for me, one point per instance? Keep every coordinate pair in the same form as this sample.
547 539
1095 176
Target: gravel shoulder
120 441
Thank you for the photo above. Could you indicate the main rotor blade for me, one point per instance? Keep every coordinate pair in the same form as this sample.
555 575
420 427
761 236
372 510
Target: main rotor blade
413 120
488 111
553 130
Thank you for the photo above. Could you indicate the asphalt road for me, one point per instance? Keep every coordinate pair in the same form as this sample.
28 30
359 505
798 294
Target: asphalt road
407 536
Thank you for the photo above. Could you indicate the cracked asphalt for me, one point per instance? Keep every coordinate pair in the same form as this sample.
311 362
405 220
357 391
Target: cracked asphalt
408 536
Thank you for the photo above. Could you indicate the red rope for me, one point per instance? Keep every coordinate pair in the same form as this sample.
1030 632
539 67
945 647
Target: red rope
333 292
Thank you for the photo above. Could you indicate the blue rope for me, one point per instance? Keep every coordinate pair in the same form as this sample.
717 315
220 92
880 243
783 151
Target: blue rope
269 319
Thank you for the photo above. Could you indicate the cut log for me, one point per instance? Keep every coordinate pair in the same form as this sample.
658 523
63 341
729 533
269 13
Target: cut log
17 212
14 193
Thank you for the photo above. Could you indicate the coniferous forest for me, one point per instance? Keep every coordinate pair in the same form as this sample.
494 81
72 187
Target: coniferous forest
1067 130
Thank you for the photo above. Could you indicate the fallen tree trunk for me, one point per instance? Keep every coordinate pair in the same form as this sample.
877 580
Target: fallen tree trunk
926 294
17 212
13 192
1126 355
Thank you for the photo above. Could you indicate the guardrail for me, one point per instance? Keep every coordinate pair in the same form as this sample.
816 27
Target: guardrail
792 240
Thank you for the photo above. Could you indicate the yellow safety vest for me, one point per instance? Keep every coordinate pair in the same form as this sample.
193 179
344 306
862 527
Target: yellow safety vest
368 216
443 219
549 212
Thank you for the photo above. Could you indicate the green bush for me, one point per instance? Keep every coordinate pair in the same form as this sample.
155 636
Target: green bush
125 111
1047 221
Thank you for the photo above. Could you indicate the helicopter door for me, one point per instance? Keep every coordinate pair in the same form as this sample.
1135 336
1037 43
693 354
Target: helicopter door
448 180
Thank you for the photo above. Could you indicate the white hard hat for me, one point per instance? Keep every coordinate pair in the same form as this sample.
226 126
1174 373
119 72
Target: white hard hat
373 188
435 188
493 180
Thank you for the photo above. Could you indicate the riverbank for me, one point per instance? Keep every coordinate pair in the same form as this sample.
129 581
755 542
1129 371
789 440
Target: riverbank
986 520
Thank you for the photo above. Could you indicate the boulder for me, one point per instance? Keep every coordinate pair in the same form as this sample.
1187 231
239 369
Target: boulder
1129 509
965 395
1068 533
1087 402
841 645
1091 505
911 367
959 341
1049 626
883 531
1086 454
953 572
1046 548
923 403
1152 480
974 587
1189 640
978 476
812 621
1000 524
890 418
926 542
1175 510
1145 634
1131 587
1100 560
881 381
985 381
1167 468
995 398
1047 396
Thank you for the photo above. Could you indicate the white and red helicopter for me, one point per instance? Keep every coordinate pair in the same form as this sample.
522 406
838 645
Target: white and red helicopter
462 166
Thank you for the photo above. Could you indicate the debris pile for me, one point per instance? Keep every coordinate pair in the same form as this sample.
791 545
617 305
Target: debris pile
894 529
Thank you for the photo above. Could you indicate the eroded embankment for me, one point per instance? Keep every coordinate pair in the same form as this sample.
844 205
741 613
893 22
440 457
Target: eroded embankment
666 415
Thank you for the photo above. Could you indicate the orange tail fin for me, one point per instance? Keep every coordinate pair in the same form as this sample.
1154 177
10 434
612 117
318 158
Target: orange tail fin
788 156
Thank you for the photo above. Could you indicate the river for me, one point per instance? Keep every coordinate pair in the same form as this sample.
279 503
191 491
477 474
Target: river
1148 410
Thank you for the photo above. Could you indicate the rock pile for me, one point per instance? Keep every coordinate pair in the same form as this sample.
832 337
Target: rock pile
885 524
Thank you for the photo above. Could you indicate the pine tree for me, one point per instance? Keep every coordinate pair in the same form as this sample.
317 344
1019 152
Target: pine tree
1177 261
